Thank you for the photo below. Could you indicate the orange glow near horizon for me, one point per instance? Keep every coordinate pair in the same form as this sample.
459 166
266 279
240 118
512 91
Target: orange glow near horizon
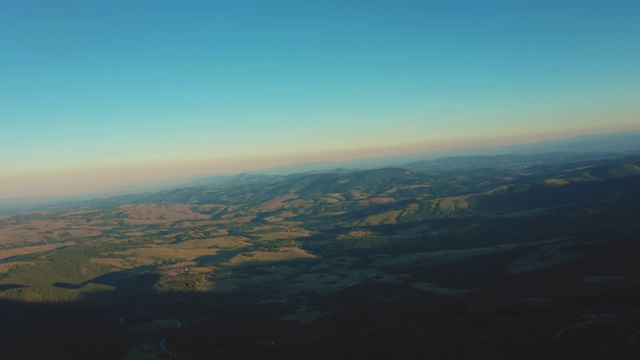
104 180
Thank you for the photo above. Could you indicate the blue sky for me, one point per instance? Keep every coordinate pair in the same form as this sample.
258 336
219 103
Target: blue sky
97 95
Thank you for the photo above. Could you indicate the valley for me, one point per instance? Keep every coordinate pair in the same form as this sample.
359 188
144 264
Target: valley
412 262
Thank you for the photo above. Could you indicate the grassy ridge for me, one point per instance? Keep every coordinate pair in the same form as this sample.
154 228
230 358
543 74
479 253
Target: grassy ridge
484 263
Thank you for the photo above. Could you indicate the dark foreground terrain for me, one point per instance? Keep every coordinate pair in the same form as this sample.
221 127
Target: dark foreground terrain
506 257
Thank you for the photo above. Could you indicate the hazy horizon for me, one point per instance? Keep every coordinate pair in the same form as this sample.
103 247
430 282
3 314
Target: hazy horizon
154 179
98 97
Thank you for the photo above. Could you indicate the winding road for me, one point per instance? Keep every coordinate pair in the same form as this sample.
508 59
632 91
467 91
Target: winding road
163 343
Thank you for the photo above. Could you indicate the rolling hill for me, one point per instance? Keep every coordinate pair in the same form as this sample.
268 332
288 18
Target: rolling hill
523 257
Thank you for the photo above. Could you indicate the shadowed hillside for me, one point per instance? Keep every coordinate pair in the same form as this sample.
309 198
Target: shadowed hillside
509 261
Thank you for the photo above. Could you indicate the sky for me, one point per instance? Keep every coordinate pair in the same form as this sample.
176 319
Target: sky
102 95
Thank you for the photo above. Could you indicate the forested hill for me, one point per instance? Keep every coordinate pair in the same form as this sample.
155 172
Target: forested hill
392 195
411 259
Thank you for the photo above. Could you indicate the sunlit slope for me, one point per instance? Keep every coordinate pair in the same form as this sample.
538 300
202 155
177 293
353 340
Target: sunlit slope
398 195
315 251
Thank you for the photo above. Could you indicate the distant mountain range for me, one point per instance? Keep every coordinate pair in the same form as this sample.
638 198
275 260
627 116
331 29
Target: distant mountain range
583 148
421 190
601 146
